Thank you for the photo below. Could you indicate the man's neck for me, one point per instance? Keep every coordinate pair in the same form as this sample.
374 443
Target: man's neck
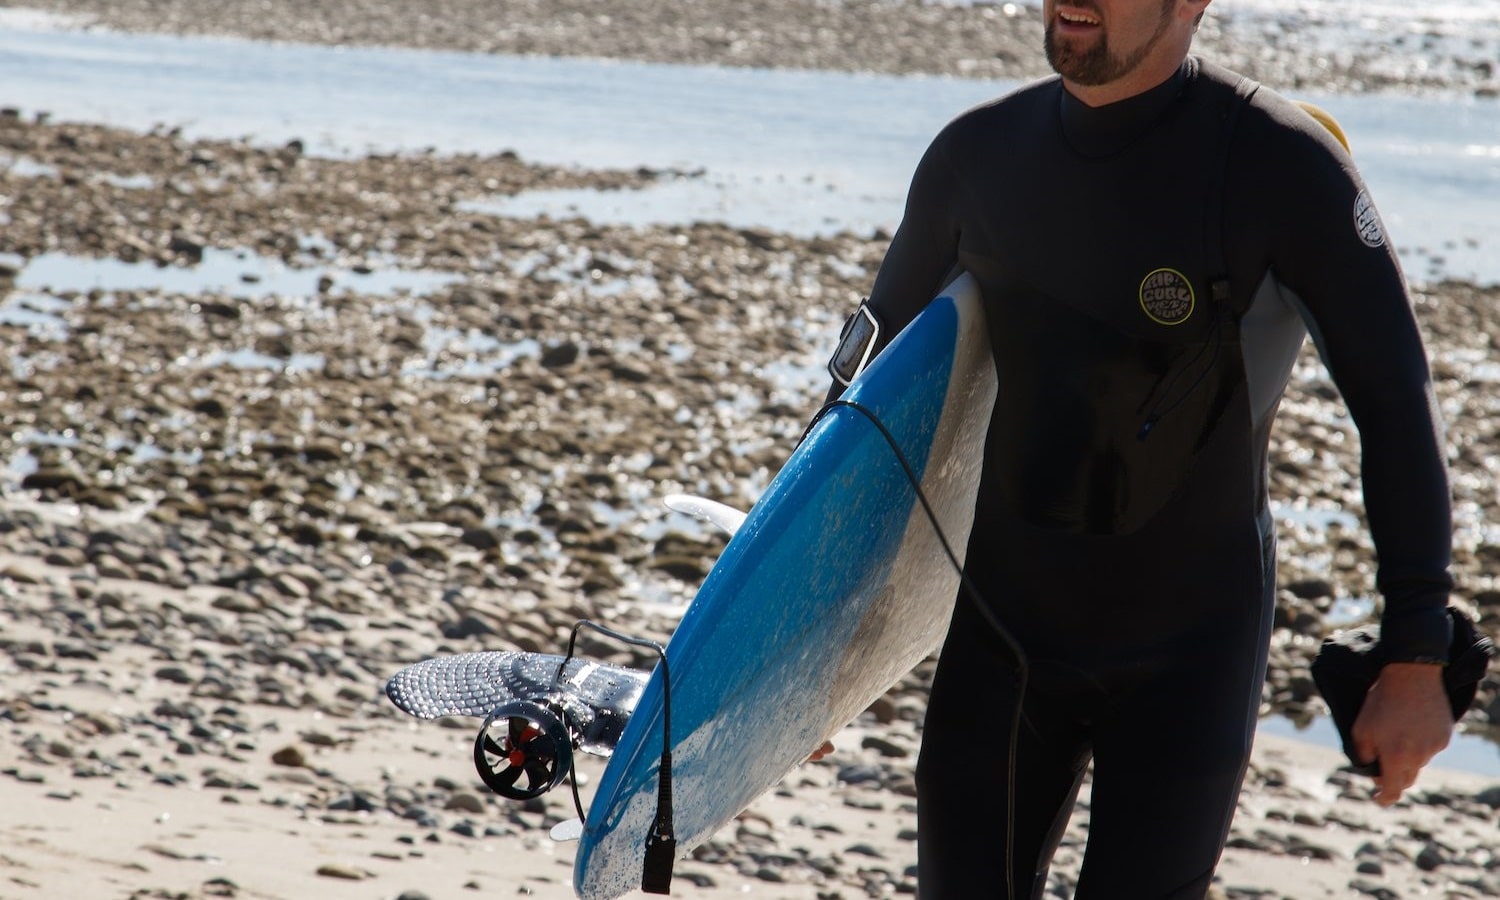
1148 75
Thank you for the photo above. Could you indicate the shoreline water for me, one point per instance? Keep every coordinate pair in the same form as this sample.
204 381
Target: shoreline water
1338 48
736 146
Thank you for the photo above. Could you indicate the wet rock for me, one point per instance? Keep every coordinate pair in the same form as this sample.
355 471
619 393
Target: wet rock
884 746
465 801
187 246
1430 857
292 757
343 872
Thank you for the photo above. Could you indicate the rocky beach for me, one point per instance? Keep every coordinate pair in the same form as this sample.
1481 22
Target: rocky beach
405 427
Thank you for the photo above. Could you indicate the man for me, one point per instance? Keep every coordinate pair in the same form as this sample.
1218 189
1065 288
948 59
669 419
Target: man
1154 237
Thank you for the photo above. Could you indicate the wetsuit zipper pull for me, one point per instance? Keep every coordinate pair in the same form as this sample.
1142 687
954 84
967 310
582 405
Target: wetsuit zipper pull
1223 316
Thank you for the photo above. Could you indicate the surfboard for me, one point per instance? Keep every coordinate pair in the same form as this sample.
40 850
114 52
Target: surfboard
836 583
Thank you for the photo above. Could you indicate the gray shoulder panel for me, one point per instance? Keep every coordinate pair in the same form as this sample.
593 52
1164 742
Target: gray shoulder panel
1271 334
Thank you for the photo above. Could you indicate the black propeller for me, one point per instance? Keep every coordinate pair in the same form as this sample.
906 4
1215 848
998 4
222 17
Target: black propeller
534 742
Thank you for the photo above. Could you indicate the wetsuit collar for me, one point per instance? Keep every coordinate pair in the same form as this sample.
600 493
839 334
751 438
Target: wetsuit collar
1104 130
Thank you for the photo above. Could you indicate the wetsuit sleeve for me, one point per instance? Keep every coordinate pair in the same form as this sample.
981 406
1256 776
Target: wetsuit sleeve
925 246
922 252
1331 251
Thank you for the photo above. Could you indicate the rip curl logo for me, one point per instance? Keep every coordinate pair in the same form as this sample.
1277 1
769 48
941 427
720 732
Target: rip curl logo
1367 221
1167 297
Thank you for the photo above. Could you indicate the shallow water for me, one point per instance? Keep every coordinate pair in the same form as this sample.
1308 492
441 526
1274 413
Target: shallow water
239 274
804 152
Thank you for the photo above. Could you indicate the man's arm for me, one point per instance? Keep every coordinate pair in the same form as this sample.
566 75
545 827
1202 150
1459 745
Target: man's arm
1335 256
921 254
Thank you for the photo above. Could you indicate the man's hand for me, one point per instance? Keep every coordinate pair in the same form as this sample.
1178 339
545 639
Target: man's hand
1404 723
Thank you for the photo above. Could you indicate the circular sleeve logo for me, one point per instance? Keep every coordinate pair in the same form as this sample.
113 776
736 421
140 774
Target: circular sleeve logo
1367 221
1167 296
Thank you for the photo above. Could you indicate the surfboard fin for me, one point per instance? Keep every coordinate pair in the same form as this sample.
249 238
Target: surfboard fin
567 830
724 517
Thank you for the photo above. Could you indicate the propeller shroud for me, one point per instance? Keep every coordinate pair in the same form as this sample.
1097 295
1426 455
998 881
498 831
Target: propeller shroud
523 741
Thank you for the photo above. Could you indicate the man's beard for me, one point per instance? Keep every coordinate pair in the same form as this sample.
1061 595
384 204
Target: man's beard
1096 65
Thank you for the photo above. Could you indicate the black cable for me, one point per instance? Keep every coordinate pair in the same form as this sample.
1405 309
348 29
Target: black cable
1014 646
577 804
661 842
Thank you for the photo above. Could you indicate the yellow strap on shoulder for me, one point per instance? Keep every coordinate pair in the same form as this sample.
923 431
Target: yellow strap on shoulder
1327 121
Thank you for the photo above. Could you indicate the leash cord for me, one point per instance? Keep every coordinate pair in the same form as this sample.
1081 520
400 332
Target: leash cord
972 593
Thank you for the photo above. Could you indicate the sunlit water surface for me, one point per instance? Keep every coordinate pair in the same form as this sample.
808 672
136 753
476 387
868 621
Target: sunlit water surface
803 152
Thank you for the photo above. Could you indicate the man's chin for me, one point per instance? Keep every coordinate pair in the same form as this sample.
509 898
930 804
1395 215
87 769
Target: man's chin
1076 61
1076 70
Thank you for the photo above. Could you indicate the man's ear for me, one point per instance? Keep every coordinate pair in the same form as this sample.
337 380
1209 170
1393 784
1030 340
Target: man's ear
1193 9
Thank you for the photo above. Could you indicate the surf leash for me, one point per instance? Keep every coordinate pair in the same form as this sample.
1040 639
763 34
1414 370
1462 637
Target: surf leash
972 593
661 840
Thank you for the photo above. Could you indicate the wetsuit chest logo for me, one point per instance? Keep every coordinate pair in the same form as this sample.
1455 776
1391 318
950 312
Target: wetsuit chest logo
1167 296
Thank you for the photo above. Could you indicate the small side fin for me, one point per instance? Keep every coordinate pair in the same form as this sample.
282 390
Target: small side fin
567 830
725 517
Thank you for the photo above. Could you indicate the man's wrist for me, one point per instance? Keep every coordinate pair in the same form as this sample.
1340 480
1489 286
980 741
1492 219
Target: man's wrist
1418 668
1419 663
1417 635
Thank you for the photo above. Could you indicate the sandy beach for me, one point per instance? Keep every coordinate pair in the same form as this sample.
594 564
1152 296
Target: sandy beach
211 569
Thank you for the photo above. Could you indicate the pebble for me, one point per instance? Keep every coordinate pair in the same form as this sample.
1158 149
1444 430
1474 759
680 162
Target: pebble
343 872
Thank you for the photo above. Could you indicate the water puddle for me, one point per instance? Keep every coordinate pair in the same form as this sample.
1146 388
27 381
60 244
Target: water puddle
251 359
481 355
235 273
727 199
45 284
40 314
25 167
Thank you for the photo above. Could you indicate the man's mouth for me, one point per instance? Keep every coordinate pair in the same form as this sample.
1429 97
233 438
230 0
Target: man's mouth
1077 18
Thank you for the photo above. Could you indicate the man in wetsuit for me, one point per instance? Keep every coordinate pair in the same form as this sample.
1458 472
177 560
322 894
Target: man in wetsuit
1154 238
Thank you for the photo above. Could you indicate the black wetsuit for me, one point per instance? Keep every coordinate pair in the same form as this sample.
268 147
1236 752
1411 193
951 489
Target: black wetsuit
1149 270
